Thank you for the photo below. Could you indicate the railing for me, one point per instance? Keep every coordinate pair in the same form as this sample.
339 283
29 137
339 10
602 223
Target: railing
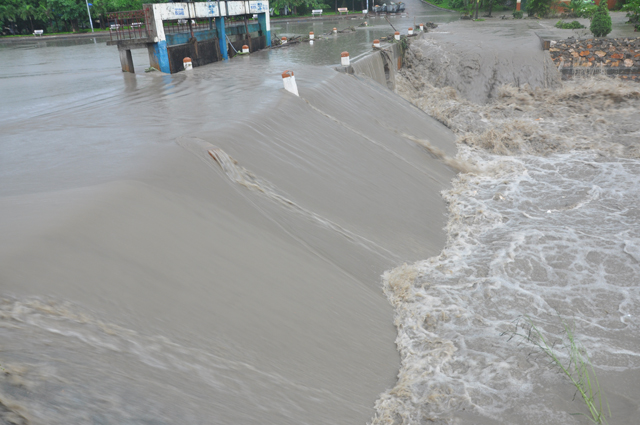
188 25
128 25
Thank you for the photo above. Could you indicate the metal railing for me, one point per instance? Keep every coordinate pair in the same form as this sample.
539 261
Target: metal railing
187 25
128 25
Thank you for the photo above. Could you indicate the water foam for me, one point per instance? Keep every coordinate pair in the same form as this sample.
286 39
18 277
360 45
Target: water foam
546 225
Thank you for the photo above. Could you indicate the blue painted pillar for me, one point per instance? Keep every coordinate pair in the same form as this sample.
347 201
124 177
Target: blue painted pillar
158 56
263 21
222 37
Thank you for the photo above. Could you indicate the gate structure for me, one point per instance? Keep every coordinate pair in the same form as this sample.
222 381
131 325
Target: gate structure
202 31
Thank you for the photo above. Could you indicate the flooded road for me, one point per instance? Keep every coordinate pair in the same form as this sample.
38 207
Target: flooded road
145 282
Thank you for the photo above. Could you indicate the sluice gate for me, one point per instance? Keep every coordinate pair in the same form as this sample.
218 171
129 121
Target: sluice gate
201 31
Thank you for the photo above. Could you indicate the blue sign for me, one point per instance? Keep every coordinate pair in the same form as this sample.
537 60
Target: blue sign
178 11
258 7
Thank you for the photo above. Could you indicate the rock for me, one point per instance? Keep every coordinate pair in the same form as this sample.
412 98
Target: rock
584 53
600 53
628 63
617 56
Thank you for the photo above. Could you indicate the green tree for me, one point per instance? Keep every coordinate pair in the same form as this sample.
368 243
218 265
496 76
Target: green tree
601 22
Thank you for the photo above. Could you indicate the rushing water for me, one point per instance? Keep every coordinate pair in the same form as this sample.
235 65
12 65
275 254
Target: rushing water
206 248
543 230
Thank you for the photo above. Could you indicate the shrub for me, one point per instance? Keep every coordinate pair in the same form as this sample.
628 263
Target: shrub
517 14
632 7
601 22
569 25
587 10
575 5
541 8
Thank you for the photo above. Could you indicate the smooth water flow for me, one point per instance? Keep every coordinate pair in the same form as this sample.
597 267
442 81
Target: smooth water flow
144 280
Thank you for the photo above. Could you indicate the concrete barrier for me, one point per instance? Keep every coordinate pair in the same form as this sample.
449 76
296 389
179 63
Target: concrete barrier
344 59
289 82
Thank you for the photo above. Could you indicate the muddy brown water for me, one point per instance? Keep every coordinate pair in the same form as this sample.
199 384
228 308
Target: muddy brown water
144 281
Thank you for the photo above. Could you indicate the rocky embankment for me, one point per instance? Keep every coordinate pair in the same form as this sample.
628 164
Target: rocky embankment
616 56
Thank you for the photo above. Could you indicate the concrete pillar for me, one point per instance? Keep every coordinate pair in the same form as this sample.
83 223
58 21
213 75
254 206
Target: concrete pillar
158 56
265 26
518 5
126 61
222 37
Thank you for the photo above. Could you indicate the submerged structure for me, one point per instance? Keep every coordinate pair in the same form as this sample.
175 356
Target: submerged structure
204 32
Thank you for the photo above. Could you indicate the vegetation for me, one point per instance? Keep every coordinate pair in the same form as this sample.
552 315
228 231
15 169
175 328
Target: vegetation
518 14
632 7
539 8
302 7
569 25
24 16
583 8
572 361
601 21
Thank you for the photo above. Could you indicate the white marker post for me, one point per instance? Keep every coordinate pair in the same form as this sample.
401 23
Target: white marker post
421 27
396 36
245 49
344 58
289 82
283 40
335 30
410 31
311 35
186 62
376 43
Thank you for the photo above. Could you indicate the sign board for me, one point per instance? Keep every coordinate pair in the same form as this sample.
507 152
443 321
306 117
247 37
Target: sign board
207 10
259 6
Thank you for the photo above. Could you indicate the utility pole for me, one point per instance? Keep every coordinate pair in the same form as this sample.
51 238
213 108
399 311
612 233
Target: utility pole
89 12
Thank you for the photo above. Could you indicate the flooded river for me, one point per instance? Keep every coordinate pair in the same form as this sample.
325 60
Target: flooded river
144 281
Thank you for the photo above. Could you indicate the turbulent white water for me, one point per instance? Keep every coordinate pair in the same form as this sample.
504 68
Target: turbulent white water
546 228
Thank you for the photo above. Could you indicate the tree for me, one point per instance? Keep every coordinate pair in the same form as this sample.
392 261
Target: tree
490 8
601 22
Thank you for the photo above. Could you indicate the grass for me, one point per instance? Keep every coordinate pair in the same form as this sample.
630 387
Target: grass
578 368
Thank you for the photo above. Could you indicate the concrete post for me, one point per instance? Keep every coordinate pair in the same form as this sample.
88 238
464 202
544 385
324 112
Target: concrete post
265 26
126 61
222 37
158 56
289 82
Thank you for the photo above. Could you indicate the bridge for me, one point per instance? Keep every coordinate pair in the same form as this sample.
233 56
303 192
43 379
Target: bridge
205 32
